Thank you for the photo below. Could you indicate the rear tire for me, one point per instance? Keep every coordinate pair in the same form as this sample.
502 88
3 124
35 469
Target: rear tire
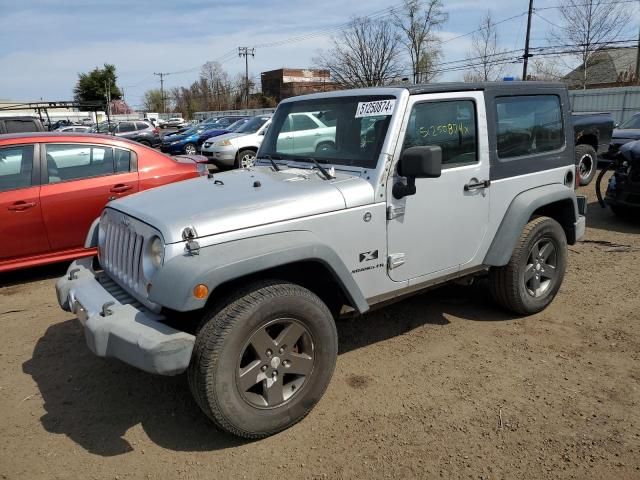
534 274
586 164
263 359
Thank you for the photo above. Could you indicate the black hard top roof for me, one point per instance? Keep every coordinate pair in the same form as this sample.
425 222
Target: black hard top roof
503 87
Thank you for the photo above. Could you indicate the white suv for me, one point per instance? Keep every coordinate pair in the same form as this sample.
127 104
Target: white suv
238 149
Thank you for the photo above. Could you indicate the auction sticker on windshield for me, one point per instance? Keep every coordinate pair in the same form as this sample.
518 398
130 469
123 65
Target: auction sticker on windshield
373 109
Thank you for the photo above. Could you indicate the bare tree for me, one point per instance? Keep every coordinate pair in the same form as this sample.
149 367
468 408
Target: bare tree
485 58
588 26
363 55
419 24
545 69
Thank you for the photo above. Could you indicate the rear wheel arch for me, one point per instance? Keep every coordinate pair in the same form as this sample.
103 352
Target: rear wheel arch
555 201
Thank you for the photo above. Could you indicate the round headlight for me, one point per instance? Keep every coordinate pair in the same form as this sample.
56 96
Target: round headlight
156 252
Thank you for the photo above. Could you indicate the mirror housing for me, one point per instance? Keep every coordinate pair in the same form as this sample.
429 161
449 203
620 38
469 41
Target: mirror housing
417 162
421 162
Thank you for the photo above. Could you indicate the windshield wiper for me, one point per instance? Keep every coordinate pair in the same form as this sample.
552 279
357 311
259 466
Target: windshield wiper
324 172
273 159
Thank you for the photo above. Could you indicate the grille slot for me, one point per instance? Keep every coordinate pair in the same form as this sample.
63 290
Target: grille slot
123 255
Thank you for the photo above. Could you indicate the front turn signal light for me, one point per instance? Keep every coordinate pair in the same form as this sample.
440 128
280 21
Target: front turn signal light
200 291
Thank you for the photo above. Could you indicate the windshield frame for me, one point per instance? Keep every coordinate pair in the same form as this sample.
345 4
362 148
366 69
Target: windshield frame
361 162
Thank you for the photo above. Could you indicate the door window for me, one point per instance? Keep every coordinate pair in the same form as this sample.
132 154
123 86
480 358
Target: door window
74 162
16 165
20 126
142 125
528 125
450 125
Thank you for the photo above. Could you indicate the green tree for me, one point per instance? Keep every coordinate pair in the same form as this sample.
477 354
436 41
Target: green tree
96 85
153 100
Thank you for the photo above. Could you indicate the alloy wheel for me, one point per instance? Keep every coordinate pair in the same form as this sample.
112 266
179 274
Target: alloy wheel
247 161
190 149
541 270
275 364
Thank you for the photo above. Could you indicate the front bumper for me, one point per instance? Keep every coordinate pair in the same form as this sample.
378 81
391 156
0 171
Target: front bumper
167 148
220 155
116 326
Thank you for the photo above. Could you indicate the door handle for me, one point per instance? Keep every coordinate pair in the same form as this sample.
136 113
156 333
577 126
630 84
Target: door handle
120 188
20 206
477 185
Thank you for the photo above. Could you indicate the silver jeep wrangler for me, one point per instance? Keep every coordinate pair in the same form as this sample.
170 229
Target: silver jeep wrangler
385 192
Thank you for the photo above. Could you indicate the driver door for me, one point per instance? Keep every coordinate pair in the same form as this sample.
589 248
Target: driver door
443 225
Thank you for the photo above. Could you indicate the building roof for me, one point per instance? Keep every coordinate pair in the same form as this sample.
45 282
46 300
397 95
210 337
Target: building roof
607 66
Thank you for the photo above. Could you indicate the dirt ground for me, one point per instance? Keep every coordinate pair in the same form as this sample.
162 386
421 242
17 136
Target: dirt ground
440 385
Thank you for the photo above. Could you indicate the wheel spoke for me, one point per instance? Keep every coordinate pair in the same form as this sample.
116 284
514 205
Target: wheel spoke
273 391
250 375
301 364
535 285
546 250
261 342
290 335
548 271
529 273
535 252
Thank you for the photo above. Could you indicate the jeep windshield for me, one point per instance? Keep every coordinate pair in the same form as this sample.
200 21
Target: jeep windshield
339 130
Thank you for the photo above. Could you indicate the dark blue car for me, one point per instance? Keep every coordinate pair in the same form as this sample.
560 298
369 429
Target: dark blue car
184 142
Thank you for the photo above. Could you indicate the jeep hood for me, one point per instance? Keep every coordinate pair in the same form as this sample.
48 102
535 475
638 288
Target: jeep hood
241 199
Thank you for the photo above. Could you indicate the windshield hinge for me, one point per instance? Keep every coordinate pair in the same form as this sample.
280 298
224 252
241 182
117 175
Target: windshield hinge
395 260
394 212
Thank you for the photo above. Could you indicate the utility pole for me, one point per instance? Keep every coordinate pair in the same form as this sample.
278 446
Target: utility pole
245 52
638 60
162 75
107 92
526 43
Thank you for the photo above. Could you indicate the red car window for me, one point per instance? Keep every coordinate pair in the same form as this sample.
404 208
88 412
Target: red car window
16 165
73 162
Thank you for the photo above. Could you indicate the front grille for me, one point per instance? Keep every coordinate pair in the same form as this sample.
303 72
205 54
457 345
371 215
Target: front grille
121 256
118 292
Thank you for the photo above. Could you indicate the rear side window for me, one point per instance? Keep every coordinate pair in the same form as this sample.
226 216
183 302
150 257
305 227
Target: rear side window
302 122
450 125
74 162
20 126
142 125
529 125
126 127
122 160
16 164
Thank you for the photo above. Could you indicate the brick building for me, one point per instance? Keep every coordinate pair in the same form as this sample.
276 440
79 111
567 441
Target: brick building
289 82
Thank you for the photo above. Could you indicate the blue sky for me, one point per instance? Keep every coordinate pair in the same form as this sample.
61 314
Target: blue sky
45 43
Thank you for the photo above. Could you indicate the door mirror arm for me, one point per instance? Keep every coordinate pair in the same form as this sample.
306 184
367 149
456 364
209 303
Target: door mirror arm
417 162
401 190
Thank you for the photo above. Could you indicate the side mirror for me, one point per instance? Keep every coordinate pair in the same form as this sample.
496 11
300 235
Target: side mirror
417 162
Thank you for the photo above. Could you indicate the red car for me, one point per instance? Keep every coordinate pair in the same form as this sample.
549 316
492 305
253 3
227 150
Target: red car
54 185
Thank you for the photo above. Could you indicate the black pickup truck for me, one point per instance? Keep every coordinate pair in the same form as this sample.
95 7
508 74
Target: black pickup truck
592 133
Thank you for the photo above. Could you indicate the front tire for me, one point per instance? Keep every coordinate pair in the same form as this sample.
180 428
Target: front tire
246 159
534 274
190 149
263 361
586 164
